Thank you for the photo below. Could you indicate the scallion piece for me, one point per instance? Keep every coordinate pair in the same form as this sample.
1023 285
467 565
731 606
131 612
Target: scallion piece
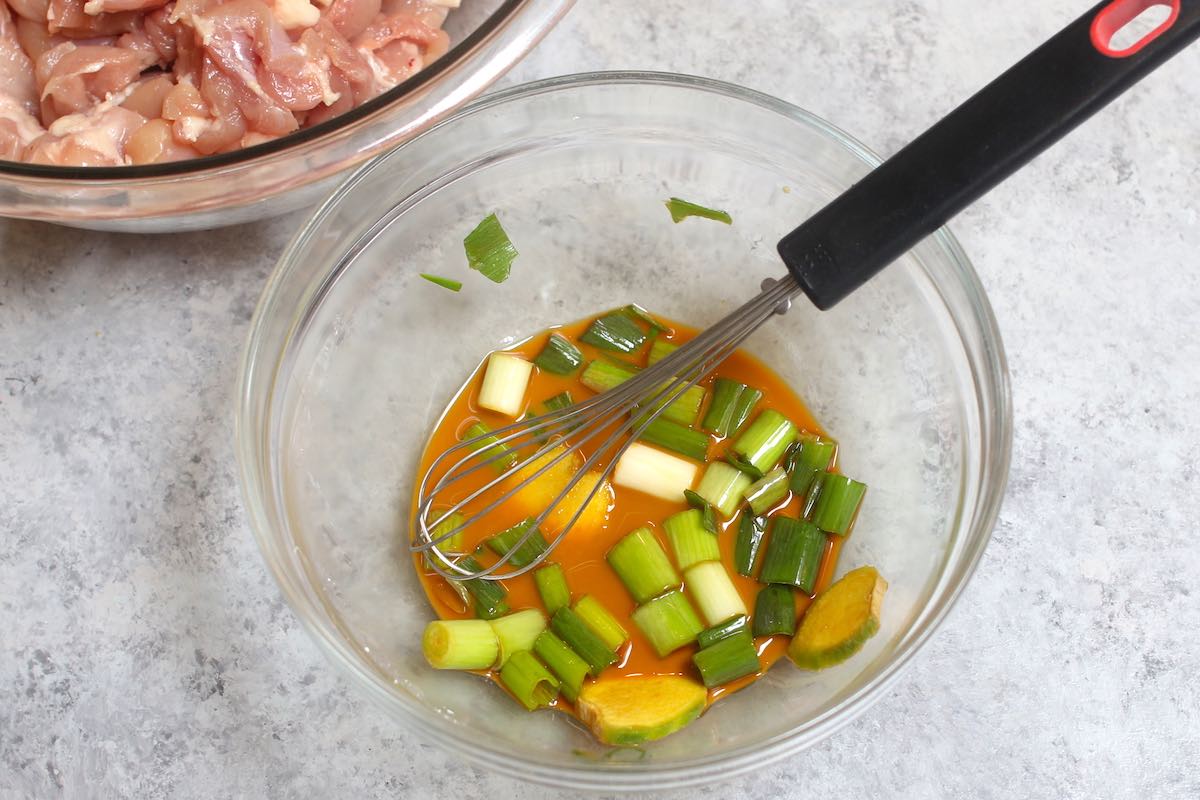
552 587
669 622
502 458
445 283
690 541
634 311
727 660
744 406
711 587
660 349
814 492
600 376
529 680
489 250
682 209
720 410
838 503
744 466
748 543
763 443
677 438
685 407
460 644
768 490
811 458
775 610
517 631
793 553
640 563
559 356
708 517
551 404
723 487
614 331
569 627
564 662
489 595
520 554
730 627
602 623
491 611
505 380
453 542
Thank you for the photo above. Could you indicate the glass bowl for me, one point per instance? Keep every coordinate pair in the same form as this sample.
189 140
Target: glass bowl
352 357
294 171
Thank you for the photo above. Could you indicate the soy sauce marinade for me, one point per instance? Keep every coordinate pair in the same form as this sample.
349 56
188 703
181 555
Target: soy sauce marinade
582 553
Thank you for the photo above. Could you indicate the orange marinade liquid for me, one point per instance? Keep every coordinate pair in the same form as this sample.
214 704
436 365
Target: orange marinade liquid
581 553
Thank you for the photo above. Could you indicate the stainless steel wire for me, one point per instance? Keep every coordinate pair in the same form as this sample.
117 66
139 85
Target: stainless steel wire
569 429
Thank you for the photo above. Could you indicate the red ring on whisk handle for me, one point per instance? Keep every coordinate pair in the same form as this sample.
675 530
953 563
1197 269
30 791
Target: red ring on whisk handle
1119 13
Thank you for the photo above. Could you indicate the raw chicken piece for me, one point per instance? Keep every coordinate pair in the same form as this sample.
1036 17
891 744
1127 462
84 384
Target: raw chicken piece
17 129
397 47
147 95
35 39
95 7
73 78
351 17
154 143
32 10
16 70
68 18
93 139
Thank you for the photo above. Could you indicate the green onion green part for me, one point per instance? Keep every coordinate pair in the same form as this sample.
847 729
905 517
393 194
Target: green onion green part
742 409
708 517
640 563
744 466
600 376
690 541
614 331
730 627
814 492
727 660
517 631
763 443
452 543
720 411
677 438
793 553
459 644
601 621
723 487
489 595
660 349
838 503
520 554
682 209
552 587
569 627
565 663
775 610
489 250
489 447
488 611
636 312
768 490
559 356
669 622
445 283
811 457
529 680
748 543
711 587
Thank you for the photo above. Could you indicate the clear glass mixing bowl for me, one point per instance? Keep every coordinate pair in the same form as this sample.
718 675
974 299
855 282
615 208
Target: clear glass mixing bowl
297 170
352 357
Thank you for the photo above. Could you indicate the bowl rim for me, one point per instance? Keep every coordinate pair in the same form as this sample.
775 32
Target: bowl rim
993 478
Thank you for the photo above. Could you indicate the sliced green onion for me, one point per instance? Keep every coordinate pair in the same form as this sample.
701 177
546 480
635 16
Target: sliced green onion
650 470
744 466
556 403
727 660
723 487
460 644
452 543
489 250
711 587
489 447
505 380
559 356
505 544
742 409
763 443
768 490
682 209
552 587
793 553
623 363
583 640
600 376
669 622
640 314
602 623
445 283
838 503
529 680
677 438
489 595
748 543
720 410
614 331
689 539
660 349
730 627
708 517
685 408
564 662
640 563
517 631
775 610
810 459
490 611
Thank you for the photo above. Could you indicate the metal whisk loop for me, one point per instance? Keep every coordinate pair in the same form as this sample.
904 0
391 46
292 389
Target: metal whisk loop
568 429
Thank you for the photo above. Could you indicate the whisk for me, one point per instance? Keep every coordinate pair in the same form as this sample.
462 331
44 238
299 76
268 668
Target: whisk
974 148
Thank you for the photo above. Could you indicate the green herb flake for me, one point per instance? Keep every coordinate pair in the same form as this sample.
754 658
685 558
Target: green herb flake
489 250
682 209
445 283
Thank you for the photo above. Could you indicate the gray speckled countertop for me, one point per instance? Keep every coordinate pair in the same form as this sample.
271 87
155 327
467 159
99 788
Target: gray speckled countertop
145 651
